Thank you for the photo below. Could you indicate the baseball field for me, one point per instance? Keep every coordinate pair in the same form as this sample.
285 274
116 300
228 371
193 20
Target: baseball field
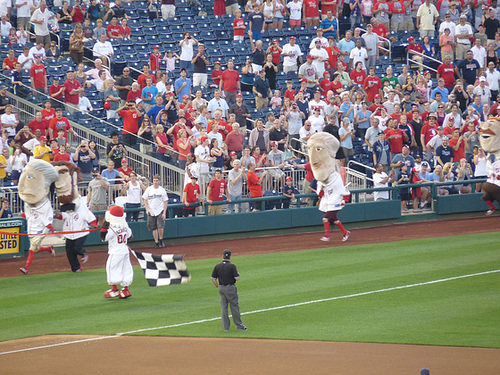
313 310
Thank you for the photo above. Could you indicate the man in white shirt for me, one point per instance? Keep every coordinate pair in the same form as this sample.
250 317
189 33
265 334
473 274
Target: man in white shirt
317 103
156 203
103 49
5 27
5 8
463 33
323 40
217 103
36 51
360 54
381 179
492 78
447 24
202 155
9 121
40 19
479 53
23 12
483 91
290 53
320 57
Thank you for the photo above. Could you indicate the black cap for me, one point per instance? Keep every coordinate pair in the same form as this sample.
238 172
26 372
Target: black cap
226 254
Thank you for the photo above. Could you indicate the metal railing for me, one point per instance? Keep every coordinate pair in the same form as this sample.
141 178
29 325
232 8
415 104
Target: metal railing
415 62
388 41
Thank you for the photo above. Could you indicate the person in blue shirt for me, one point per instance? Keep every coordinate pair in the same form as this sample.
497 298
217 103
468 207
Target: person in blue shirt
111 173
346 45
382 151
149 93
330 25
347 108
468 68
256 23
182 85
153 112
288 192
442 90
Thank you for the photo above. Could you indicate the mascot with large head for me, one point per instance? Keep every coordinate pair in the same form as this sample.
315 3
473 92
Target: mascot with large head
490 142
74 212
34 188
322 148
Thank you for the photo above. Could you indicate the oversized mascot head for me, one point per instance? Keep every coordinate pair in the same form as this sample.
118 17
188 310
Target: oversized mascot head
67 183
490 136
35 181
115 215
322 148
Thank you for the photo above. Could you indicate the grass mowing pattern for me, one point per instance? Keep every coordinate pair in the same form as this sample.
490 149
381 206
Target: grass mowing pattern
462 312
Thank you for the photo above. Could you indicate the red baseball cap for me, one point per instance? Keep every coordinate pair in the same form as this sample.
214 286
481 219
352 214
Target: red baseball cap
203 139
289 178
292 37
276 41
411 38
239 94
325 73
185 97
377 96
156 47
232 153
310 57
303 80
43 138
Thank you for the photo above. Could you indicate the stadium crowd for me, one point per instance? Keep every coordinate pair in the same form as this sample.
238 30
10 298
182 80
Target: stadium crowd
232 124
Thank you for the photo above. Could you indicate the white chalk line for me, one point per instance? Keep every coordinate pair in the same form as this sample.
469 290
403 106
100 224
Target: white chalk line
255 311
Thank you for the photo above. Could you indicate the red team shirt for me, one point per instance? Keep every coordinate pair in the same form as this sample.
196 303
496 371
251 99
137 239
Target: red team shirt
37 74
358 77
48 115
53 89
68 87
155 61
218 189
447 72
62 123
290 94
230 79
115 31
191 192
396 143
429 131
239 22
311 8
130 122
374 89
42 125
460 153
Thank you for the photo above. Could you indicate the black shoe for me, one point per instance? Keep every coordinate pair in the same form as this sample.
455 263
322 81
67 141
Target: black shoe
162 244
157 245
243 328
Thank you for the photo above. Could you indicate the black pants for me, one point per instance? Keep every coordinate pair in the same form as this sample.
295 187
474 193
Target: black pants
73 249
132 216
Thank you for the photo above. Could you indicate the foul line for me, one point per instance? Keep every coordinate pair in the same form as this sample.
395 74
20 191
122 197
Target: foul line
256 311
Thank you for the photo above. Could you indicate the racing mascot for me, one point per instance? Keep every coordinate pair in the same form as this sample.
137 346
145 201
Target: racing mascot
322 148
490 142
116 232
74 212
34 187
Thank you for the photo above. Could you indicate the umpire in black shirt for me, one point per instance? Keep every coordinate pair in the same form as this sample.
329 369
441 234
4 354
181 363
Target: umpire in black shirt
224 277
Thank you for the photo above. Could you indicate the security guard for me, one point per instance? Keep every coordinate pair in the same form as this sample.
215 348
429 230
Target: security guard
224 277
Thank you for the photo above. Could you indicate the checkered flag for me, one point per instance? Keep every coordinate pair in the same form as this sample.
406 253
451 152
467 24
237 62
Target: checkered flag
165 269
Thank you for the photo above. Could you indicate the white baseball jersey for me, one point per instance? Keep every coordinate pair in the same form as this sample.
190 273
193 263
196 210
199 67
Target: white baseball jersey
117 238
493 170
334 192
39 216
77 220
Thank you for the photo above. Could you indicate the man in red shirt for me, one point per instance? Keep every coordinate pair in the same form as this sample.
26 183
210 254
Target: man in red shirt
72 89
395 138
78 12
326 84
155 59
414 50
372 85
428 131
114 30
254 184
38 76
48 112
235 140
215 192
230 82
60 122
131 117
379 28
56 92
446 71
191 196
358 74
333 52
39 123
377 103
458 144
141 80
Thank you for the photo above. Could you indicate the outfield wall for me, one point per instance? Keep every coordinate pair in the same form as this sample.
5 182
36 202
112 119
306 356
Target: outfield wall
276 219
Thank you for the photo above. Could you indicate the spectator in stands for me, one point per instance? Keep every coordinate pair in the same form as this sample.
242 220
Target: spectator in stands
113 30
24 59
99 30
346 45
116 150
183 84
463 33
382 151
479 53
236 177
111 95
468 69
230 83
427 17
42 151
241 110
119 11
41 19
64 14
53 53
372 86
78 12
291 52
216 73
218 103
60 122
415 51
84 160
186 45
382 179
39 123
10 61
167 9
103 49
254 184
447 44
215 192
308 72
111 173
238 26
372 42
235 140
203 159
131 115
261 90
330 25
94 73
397 9
124 85
72 90
127 32
446 71
38 77
381 12
371 135
258 56
76 42
200 63
148 94
93 11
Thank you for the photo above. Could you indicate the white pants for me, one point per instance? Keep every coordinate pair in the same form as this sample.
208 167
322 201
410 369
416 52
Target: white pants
119 269
199 79
167 11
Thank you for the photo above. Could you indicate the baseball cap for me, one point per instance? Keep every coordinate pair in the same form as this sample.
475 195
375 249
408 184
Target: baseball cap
326 73
451 120
289 178
183 69
482 79
43 138
310 57
317 40
427 72
232 153
194 175
124 160
203 139
217 62
239 94
432 115
185 97
302 80
70 70
377 96
276 41
226 254
411 38
138 100
425 163
156 47
292 37
463 16
273 143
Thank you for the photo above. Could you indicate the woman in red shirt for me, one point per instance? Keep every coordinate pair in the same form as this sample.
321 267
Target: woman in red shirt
254 184
161 140
275 50
184 147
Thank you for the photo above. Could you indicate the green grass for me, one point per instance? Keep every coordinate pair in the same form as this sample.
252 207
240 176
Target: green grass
463 312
